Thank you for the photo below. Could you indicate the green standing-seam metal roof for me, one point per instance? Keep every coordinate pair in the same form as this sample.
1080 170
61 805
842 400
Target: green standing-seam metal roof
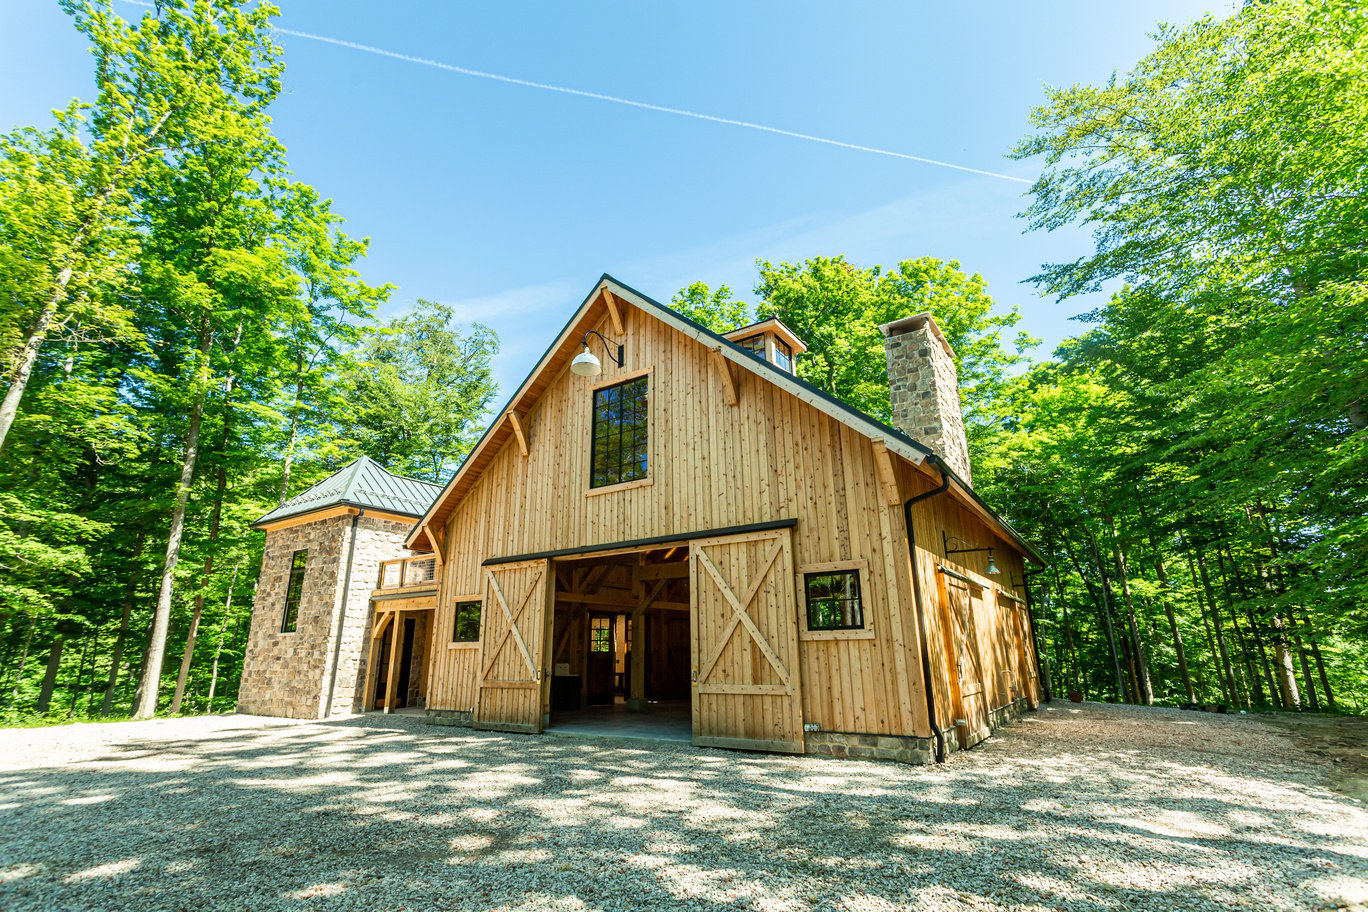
363 483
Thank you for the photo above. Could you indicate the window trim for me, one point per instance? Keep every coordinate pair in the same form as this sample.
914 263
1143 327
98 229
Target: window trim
479 637
289 581
861 568
604 383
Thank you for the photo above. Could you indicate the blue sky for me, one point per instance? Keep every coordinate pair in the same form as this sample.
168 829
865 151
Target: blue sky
509 201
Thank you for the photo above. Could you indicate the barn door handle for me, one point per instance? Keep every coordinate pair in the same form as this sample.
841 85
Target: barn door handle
693 676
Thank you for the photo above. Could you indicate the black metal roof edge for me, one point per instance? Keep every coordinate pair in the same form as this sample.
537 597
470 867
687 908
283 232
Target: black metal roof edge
643 542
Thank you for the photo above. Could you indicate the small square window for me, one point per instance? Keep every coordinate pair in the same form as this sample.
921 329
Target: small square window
294 591
466 626
833 600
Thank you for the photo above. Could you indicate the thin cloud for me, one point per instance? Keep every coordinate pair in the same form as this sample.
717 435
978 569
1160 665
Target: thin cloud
628 102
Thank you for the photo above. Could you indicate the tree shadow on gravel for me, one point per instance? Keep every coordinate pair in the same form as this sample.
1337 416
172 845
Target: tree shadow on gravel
379 813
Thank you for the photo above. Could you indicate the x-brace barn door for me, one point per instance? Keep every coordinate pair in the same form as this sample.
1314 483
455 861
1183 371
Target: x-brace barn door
744 623
515 617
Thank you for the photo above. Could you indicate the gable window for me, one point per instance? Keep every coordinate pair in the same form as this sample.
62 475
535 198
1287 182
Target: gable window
294 591
466 626
833 600
619 433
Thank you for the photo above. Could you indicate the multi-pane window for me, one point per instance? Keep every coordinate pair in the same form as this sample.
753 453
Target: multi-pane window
755 344
601 634
833 600
620 426
783 355
466 627
294 591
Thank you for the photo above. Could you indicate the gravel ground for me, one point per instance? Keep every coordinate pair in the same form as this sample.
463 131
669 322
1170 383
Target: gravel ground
1084 807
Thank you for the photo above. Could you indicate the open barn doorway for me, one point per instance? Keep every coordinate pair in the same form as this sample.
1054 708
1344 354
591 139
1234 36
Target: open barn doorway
620 645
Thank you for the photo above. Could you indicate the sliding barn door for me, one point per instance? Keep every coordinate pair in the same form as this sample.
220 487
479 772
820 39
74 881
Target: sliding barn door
744 631
515 618
962 603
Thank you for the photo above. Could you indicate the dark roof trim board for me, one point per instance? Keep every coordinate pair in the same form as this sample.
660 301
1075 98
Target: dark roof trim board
896 441
365 484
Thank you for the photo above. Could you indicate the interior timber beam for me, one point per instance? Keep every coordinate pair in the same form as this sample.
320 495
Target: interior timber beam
613 312
724 368
518 431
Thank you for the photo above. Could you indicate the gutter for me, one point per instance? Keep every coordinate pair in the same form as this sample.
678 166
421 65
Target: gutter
922 635
342 615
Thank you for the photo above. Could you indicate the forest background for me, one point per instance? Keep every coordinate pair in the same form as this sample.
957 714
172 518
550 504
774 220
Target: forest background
187 340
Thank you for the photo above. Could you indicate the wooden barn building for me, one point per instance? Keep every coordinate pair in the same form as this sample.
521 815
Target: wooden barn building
666 527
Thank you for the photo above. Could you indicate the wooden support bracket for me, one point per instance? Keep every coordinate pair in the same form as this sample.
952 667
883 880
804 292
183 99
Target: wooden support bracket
729 392
613 312
884 460
518 431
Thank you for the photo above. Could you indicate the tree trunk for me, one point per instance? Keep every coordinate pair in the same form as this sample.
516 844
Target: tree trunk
23 659
1282 656
161 619
1216 625
50 677
1320 662
1173 626
130 592
1144 685
75 688
1223 686
28 355
1107 613
190 637
1313 703
223 630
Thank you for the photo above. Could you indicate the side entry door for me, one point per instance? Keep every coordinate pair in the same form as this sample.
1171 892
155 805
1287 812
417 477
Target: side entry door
747 691
510 673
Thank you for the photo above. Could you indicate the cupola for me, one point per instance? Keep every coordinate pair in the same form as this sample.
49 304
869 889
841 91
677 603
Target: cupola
771 340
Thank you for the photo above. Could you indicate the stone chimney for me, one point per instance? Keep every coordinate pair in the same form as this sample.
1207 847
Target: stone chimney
924 388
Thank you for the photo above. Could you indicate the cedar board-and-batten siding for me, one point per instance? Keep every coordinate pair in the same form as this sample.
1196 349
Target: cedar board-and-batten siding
1001 630
711 466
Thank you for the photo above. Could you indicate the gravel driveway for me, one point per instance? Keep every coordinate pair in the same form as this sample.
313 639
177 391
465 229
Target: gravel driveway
1076 806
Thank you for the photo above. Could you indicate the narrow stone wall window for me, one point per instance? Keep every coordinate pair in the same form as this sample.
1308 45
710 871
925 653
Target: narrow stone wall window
466 627
833 600
619 433
294 591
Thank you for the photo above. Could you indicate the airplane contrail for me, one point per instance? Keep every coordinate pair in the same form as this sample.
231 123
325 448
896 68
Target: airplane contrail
614 99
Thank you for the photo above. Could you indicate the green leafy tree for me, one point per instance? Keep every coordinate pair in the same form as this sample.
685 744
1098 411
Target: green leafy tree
421 388
714 310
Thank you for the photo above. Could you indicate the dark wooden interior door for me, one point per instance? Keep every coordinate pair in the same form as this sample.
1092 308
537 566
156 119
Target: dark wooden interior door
599 672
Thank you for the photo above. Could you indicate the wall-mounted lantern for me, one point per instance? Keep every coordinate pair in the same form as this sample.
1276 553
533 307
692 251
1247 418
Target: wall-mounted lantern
585 364
991 569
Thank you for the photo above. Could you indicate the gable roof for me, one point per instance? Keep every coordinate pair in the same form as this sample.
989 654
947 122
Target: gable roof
562 348
363 483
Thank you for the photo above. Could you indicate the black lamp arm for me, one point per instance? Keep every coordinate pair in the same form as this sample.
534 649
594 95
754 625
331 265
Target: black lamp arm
945 546
607 347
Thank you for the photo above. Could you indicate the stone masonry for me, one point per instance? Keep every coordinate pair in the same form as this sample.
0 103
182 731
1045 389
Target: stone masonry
924 389
288 674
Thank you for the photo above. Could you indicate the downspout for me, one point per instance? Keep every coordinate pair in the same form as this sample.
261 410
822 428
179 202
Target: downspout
922 635
342 615
1035 634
